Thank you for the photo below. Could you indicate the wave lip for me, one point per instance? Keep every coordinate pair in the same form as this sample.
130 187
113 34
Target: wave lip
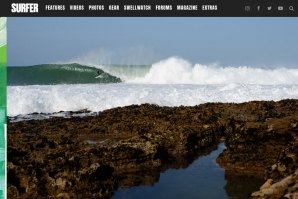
176 70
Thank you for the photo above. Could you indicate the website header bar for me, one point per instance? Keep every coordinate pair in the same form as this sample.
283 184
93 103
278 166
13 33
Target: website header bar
167 8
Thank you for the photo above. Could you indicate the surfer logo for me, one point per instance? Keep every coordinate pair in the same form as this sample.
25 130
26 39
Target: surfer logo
24 7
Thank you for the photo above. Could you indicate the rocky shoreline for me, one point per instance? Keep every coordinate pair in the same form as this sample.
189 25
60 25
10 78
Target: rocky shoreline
92 156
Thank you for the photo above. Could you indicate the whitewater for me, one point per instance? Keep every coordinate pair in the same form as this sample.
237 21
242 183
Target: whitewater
179 71
170 82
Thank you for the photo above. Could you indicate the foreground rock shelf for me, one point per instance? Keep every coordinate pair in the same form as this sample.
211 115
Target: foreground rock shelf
90 157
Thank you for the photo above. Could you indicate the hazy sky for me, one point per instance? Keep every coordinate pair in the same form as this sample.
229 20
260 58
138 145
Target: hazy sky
227 41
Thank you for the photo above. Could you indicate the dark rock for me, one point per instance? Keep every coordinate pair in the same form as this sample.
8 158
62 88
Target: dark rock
54 157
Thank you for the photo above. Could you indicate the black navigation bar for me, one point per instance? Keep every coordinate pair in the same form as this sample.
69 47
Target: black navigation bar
134 8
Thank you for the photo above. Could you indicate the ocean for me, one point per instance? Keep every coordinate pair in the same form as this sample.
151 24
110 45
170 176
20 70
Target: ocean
49 88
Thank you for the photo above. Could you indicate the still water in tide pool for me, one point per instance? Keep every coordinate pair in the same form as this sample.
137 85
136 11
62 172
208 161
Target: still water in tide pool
203 178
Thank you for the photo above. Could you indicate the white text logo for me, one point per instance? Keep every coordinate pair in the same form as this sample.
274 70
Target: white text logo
24 7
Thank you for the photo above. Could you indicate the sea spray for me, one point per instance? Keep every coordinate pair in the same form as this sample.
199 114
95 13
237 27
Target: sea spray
176 70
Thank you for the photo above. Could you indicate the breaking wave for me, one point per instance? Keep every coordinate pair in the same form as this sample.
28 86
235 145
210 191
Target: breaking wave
173 70
49 74
171 82
179 71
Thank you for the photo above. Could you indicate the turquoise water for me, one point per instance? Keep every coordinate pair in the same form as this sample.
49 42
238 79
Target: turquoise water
203 178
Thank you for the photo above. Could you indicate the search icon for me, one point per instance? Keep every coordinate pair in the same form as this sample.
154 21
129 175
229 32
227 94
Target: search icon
291 8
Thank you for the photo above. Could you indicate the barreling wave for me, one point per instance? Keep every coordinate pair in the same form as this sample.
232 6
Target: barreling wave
173 70
49 74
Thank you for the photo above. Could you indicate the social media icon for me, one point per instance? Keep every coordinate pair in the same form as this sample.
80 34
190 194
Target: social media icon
280 8
258 7
269 8
291 8
247 8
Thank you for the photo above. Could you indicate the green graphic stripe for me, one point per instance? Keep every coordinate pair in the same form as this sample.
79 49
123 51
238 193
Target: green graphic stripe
3 80
2 162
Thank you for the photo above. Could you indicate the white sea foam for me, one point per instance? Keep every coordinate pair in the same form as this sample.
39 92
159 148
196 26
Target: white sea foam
179 71
98 97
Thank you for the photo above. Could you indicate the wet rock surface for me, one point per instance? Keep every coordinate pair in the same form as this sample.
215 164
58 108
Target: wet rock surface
282 176
90 157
